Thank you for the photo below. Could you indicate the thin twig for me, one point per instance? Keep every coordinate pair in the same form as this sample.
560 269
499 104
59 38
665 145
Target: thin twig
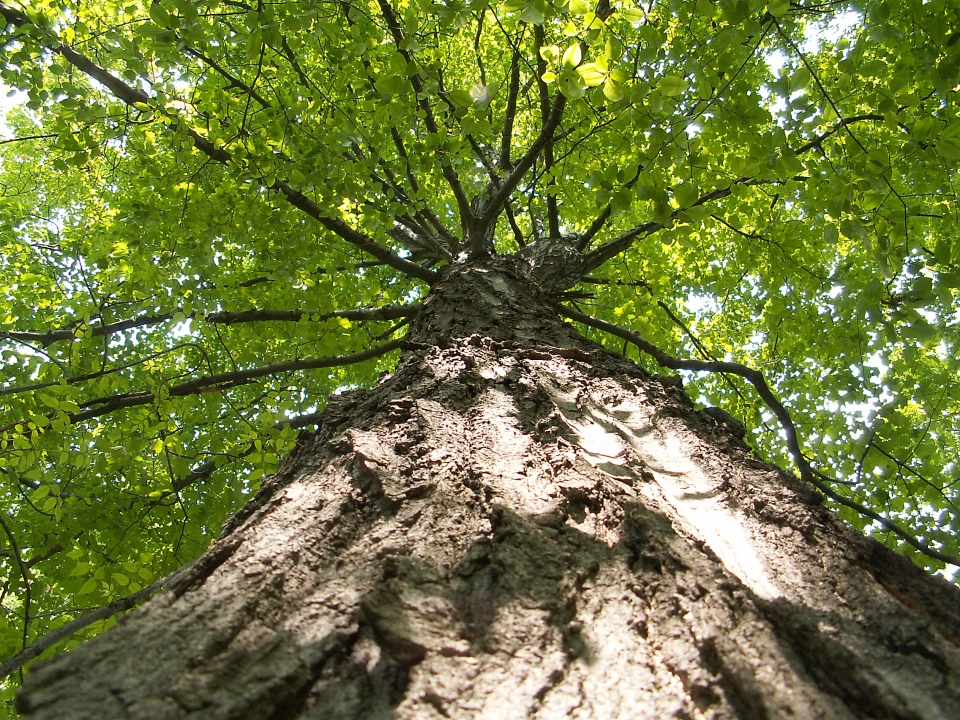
24 574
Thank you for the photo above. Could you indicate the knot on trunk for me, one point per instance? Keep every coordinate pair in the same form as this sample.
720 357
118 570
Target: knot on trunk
555 263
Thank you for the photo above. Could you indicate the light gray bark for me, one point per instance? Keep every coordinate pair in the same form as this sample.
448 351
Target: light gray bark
519 524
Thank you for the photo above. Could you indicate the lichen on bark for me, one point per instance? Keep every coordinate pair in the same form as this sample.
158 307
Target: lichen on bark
519 523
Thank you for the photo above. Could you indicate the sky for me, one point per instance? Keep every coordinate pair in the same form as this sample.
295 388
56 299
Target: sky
6 103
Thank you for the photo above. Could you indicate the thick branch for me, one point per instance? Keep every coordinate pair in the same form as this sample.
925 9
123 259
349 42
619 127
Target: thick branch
338 227
134 97
553 214
517 232
507 137
614 247
596 226
598 257
45 339
220 381
363 314
232 81
24 574
75 379
67 333
102 613
228 379
526 162
207 468
223 318
755 378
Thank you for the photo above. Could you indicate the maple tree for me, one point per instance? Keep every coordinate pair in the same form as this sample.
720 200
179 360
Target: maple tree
216 214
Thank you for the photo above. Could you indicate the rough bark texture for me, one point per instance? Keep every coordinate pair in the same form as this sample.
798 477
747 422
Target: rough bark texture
517 523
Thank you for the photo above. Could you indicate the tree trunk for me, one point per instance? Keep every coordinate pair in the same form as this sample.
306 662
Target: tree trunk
518 523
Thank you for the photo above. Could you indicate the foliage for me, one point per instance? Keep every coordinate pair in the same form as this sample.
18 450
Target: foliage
770 183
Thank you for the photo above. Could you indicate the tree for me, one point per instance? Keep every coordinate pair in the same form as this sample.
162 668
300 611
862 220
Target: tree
218 214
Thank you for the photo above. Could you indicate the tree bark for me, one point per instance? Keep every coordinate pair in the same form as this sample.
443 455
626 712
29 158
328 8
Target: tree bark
518 523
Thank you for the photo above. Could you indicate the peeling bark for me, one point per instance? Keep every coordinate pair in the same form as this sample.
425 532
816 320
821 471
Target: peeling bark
518 523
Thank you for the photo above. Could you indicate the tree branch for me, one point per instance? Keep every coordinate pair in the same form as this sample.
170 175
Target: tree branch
390 312
755 378
612 248
553 215
510 114
219 381
231 80
596 226
207 468
24 574
526 162
368 245
840 125
102 613
28 137
44 339
517 232
75 379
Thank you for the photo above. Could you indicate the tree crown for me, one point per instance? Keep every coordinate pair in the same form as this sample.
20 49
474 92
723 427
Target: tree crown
215 214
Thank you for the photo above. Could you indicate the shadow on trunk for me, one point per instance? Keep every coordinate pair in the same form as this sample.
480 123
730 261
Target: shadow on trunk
511 526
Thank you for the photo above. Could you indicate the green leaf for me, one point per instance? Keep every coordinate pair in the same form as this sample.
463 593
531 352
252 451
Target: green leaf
925 129
613 91
949 148
550 53
571 88
461 98
672 85
686 194
778 8
612 47
591 74
830 234
532 14
159 14
951 131
620 201
572 56
390 84
705 8
877 161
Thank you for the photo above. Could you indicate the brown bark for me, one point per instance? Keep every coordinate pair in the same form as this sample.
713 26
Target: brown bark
517 523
